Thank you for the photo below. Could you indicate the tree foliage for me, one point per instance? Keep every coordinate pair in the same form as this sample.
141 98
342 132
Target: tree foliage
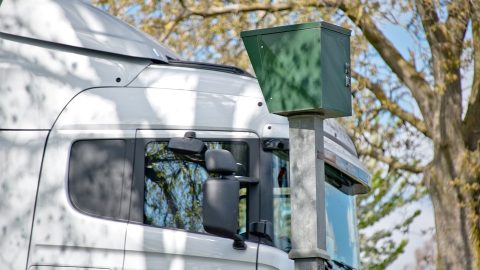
390 192
416 114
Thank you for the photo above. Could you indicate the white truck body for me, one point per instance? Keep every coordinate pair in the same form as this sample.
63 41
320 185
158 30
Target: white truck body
69 73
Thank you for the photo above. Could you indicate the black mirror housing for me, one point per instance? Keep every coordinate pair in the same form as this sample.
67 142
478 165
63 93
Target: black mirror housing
220 207
220 197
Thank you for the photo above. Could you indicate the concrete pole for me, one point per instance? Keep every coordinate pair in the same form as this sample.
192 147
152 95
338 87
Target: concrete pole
307 180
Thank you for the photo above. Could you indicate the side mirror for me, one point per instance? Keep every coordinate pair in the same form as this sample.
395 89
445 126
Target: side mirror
220 197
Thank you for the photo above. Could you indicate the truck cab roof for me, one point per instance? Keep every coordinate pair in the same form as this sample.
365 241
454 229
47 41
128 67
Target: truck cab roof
80 25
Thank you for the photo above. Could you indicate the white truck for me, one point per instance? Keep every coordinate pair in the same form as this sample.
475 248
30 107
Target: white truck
107 139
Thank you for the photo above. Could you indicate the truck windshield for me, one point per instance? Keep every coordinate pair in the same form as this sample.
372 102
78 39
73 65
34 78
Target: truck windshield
340 213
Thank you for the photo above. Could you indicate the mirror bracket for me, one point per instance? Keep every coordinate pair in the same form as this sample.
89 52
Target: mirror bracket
239 243
262 229
188 144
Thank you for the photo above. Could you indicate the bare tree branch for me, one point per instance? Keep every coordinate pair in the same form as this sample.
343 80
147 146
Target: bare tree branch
434 29
238 8
390 105
392 162
170 27
404 70
447 37
457 22
270 7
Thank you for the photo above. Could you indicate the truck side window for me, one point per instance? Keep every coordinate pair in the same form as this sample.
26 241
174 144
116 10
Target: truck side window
95 176
173 185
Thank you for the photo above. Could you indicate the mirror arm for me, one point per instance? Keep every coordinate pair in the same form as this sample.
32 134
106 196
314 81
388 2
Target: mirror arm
245 180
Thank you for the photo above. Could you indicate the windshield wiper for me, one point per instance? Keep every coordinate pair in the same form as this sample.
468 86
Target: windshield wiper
342 265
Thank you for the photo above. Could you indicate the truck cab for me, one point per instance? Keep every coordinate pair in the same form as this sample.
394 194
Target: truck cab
89 106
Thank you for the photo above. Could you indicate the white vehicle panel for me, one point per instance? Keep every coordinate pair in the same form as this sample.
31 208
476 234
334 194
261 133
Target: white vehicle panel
162 108
20 162
37 82
337 132
62 236
199 80
157 248
273 258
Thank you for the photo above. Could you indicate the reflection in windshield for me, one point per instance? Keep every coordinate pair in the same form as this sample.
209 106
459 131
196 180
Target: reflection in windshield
341 228
281 201
341 225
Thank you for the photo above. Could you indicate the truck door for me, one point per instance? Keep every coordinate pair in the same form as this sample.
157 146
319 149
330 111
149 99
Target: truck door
165 229
82 204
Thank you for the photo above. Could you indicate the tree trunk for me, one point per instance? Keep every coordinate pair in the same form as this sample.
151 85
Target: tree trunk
457 231
450 175
453 248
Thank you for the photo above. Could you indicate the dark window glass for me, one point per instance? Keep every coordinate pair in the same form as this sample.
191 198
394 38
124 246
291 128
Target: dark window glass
96 175
173 185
